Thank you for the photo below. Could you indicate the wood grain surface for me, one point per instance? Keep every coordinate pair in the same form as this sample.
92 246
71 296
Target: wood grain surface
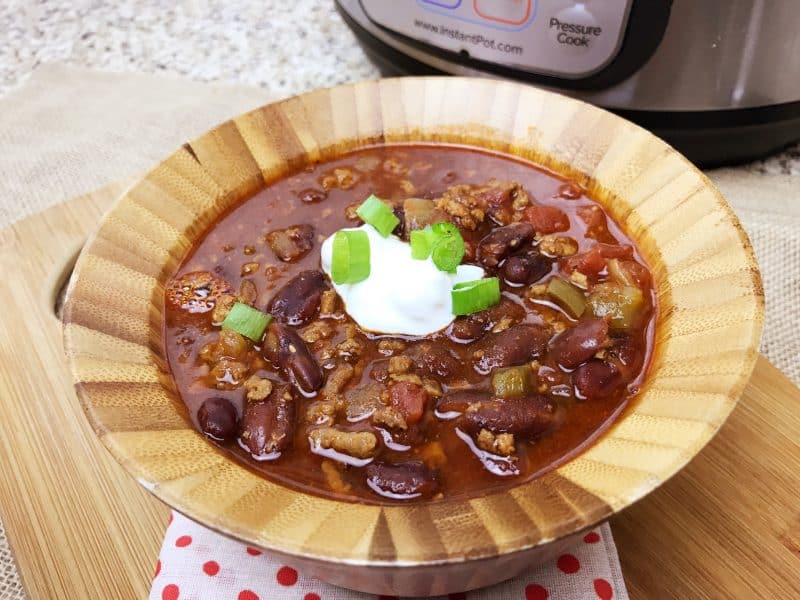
727 526
706 279
79 526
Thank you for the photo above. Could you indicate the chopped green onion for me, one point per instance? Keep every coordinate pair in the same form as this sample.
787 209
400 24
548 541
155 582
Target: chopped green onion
473 296
448 249
350 256
445 229
421 243
442 242
377 213
447 253
567 296
247 321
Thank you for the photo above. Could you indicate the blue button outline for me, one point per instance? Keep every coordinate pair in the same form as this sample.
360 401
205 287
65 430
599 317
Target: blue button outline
439 9
442 4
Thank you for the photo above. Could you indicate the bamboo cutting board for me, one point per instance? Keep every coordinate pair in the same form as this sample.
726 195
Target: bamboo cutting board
726 526
79 526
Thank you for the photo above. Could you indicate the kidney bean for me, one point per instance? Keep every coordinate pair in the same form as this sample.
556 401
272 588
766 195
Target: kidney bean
403 480
503 241
409 399
469 328
525 268
297 302
460 401
516 269
514 346
579 344
286 348
434 360
218 419
628 355
527 416
506 308
596 379
268 426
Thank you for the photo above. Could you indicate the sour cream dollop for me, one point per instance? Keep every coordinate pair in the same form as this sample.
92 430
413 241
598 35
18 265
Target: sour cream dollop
401 295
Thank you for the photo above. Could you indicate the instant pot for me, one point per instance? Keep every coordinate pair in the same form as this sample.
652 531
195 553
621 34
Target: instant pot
718 79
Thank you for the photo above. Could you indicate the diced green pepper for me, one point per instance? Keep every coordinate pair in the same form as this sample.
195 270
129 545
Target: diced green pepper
622 304
512 381
567 296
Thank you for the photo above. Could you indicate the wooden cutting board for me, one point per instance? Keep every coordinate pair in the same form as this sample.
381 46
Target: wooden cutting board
726 526
78 525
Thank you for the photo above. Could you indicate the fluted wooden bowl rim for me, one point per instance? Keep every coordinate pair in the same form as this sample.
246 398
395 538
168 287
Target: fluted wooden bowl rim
707 281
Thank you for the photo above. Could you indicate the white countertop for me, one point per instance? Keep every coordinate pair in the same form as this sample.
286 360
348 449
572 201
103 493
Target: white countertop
287 47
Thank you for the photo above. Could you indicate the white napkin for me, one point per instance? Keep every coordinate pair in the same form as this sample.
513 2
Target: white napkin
198 564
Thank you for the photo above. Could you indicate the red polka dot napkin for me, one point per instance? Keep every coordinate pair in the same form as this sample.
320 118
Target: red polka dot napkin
197 564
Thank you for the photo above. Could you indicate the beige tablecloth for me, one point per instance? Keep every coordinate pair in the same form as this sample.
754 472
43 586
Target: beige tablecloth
68 131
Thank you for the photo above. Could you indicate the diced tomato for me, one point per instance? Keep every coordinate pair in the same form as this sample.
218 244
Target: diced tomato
546 219
410 400
615 251
589 263
593 261
637 272
596 224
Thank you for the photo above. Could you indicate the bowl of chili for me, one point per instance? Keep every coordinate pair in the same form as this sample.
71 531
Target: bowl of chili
414 334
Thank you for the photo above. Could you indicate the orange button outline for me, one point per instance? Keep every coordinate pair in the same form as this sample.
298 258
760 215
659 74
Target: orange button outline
506 21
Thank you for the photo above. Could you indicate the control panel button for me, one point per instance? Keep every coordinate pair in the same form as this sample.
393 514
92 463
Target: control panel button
451 4
574 30
508 12
565 38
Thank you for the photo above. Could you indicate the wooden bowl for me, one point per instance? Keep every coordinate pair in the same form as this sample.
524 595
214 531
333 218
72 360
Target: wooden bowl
709 293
